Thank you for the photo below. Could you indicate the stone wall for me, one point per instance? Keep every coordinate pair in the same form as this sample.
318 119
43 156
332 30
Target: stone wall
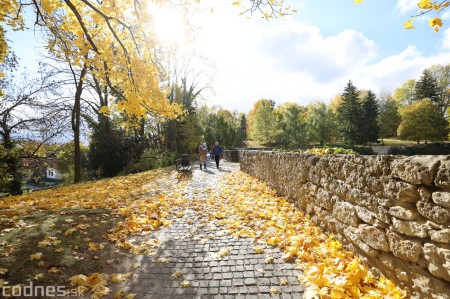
394 212
231 155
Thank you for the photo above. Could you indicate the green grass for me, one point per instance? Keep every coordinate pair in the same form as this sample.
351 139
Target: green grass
397 142
20 236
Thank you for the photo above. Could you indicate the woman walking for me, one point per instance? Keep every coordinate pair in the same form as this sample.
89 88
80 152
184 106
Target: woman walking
202 153
217 151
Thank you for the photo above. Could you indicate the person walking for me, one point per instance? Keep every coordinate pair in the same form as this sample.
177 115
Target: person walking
211 155
202 153
217 151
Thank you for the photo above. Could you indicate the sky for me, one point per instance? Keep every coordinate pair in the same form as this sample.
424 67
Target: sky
304 57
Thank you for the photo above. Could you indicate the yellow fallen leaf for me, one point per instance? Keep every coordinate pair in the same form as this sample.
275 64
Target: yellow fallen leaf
262 271
119 294
60 249
69 231
223 253
269 259
78 280
96 279
36 256
258 250
118 277
163 260
95 246
53 270
3 270
41 264
83 226
100 292
219 215
283 281
177 274
273 241
109 262
180 214
185 283
44 243
274 291
127 245
136 265
130 296
38 276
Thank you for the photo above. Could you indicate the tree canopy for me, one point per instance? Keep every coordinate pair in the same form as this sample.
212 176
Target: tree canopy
422 120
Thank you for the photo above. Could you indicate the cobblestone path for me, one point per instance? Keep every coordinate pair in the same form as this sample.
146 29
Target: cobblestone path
190 246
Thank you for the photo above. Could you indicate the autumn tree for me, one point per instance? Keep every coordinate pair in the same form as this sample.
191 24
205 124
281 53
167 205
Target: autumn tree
110 41
320 123
262 122
290 126
405 94
350 115
422 120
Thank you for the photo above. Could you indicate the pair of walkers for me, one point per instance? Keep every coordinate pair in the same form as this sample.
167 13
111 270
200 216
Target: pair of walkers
202 152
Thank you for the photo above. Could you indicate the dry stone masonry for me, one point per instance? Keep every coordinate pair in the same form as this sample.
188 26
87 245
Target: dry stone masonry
394 212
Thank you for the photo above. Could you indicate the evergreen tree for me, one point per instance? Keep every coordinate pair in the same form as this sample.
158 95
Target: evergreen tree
370 111
106 150
241 133
350 115
427 87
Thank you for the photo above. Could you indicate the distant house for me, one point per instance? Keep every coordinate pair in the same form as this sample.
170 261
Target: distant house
53 174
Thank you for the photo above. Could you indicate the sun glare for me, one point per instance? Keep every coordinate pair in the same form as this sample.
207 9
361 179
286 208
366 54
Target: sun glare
169 25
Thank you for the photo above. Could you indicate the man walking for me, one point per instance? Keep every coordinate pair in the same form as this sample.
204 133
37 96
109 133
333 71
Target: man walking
217 151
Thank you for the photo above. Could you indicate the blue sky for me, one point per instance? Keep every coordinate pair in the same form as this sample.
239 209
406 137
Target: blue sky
304 57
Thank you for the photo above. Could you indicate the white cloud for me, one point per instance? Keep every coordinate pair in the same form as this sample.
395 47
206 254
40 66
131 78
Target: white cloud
392 71
446 15
294 61
405 6
446 39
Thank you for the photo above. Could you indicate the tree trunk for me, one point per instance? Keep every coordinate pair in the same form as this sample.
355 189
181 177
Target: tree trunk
12 161
76 117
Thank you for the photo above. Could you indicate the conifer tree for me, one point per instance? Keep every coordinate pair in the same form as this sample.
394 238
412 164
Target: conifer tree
370 109
427 87
350 115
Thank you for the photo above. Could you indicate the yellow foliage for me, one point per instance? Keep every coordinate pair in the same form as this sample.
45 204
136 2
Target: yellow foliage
436 23
330 270
408 24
